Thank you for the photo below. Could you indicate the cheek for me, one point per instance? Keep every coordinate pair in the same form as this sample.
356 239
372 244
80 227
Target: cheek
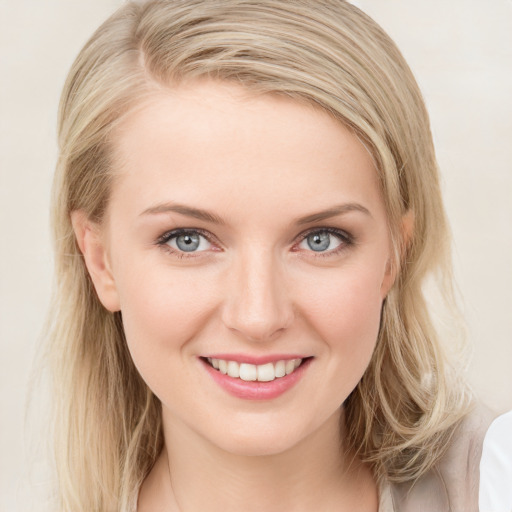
348 320
345 310
162 311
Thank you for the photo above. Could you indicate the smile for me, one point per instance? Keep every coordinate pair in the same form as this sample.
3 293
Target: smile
252 381
252 372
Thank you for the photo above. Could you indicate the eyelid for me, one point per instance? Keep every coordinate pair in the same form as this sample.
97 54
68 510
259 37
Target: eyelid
334 231
173 233
346 240
163 240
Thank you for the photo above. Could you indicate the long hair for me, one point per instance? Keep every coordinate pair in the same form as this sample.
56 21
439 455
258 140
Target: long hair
403 412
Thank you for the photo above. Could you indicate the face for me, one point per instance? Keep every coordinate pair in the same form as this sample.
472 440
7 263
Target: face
249 234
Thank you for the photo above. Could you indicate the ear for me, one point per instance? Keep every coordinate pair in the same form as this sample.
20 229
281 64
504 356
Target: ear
407 230
92 245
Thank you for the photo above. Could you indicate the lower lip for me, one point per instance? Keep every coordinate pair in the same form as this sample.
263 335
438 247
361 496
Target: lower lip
254 390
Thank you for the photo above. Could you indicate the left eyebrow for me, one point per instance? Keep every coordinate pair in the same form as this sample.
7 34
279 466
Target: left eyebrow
333 212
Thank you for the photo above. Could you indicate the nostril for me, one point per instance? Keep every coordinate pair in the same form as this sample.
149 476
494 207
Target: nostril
257 307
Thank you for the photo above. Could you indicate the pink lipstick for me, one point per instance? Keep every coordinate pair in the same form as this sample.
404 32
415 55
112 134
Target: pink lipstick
256 378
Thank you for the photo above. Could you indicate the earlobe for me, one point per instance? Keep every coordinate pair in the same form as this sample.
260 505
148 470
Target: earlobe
407 230
390 275
389 279
92 246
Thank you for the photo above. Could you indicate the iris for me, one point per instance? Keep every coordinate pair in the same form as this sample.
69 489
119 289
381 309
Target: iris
188 242
319 241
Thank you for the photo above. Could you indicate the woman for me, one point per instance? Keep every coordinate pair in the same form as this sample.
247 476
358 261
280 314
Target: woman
246 210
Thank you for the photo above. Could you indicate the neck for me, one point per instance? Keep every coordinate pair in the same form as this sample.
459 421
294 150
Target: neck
320 473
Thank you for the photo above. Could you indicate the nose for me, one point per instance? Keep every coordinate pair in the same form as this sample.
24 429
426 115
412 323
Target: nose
257 305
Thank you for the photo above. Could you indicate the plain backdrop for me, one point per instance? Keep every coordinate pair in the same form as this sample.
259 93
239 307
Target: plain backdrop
461 53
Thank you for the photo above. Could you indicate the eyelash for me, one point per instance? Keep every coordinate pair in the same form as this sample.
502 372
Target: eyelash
163 241
346 239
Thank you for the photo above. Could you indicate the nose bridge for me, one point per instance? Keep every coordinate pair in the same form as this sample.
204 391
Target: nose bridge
257 304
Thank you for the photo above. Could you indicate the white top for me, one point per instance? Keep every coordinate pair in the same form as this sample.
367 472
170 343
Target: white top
496 467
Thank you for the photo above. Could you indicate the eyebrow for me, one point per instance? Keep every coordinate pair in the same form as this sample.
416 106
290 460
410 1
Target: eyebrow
204 215
333 212
188 211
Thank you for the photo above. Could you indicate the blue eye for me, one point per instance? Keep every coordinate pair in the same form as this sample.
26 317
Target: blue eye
187 241
322 241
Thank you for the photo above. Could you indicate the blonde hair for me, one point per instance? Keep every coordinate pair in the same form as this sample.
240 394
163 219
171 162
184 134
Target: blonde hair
401 415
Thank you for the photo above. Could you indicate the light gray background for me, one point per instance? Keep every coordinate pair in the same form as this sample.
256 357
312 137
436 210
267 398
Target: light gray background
461 53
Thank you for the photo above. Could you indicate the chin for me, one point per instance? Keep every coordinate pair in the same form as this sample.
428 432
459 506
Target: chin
263 446
260 441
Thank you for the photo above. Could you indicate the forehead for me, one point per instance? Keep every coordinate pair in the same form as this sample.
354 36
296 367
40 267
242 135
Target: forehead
207 140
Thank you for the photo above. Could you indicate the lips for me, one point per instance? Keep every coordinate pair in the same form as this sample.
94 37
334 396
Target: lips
256 378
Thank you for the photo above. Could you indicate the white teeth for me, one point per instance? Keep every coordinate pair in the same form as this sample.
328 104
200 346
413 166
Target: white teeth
280 369
233 369
251 372
248 372
266 372
223 366
289 366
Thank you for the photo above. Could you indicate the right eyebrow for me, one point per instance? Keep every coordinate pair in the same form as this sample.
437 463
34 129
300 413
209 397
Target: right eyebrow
188 211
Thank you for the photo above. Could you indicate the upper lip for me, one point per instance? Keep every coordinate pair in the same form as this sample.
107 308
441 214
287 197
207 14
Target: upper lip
256 360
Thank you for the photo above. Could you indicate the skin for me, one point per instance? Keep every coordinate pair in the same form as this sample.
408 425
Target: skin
257 164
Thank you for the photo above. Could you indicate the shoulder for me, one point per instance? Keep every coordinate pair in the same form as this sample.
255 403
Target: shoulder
496 466
452 484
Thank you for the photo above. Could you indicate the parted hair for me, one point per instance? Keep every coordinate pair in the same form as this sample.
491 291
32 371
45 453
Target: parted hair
107 423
